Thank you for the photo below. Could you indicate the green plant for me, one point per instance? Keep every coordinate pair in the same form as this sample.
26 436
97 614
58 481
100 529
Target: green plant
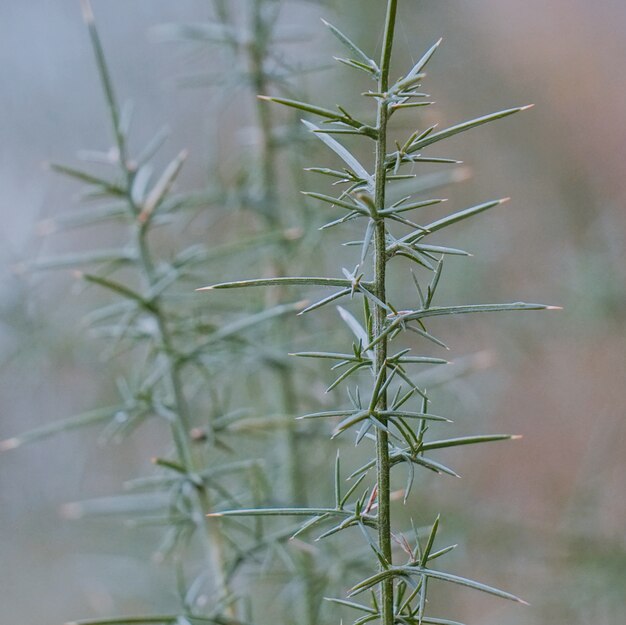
384 416
171 347
249 36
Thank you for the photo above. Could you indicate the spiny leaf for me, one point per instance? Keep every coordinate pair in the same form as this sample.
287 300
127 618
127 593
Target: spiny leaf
352 604
162 186
87 418
350 45
280 282
357 65
315 110
329 199
402 208
464 214
462 581
116 505
431 541
341 151
84 217
417 68
82 258
467 440
154 620
328 355
460 310
438 249
281 512
357 329
430 620
105 185
454 130
412 415
116 287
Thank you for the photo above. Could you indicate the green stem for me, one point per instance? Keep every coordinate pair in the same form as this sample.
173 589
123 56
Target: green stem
181 427
257 53
295 490
382 442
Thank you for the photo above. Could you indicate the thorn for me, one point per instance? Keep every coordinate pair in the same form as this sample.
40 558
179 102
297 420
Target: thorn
264 97
205 288
396 495
85 6
46 227
516 437
485 359
215 514
71 511
525 108
554 307
19 269
293 234
462 174
504 200
9 443
303 546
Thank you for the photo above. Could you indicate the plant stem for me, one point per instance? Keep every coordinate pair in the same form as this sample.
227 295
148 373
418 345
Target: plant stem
380 260
257 53
180 424
292 471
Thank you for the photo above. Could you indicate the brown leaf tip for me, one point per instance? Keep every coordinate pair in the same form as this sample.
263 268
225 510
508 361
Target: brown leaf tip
9 443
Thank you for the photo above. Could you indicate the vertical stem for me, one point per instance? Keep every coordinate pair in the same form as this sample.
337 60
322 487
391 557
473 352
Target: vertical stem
211 537
382 441
257 53
292 472
180 425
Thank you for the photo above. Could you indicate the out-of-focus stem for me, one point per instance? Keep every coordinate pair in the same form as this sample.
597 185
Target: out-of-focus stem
292 472
257 56
180 422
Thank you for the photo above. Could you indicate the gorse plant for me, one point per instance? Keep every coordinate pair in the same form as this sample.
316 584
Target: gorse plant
393 412
181 356
175 348
249 37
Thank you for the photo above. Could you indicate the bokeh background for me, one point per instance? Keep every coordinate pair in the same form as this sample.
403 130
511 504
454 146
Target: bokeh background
545 516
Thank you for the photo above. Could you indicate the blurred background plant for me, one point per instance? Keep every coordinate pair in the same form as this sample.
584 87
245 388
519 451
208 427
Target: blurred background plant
545 517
